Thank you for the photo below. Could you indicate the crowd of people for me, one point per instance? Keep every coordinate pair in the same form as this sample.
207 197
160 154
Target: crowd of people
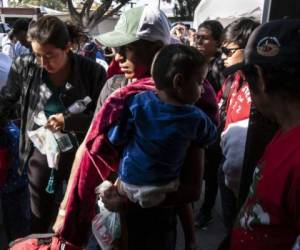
151 111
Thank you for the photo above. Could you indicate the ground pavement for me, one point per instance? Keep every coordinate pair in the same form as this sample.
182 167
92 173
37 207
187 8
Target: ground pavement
210 237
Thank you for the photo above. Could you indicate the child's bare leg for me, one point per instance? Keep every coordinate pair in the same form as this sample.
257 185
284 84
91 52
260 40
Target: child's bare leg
186 217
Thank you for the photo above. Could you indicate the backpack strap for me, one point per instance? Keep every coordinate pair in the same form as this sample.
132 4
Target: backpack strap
223 103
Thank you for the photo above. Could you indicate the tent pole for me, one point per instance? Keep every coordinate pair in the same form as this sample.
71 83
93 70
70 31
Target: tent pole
266 11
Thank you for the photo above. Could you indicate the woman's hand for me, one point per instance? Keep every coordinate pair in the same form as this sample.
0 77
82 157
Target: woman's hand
59 222
179 31
112 200
55 122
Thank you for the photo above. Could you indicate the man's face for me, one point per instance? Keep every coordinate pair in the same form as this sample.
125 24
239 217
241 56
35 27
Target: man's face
205 43
257 85
135 59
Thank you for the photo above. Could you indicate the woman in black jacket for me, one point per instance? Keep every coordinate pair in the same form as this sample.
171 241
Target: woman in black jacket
50 80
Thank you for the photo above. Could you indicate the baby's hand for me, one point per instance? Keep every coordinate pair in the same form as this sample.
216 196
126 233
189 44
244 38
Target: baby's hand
103 187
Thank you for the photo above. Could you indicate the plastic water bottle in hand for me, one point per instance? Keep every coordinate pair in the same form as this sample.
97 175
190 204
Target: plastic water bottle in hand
63 140
79 106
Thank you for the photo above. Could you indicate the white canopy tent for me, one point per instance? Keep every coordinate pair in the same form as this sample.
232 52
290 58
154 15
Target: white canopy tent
226 11
166 7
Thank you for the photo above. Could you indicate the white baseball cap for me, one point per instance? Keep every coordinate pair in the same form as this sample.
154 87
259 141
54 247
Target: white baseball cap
140 23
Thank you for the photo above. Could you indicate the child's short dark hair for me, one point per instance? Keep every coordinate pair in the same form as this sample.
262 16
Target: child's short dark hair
175 59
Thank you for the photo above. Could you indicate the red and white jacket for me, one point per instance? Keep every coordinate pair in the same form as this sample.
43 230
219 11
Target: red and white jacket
233 137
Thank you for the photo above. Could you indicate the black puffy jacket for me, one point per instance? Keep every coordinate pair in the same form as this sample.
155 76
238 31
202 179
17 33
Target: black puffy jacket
25 86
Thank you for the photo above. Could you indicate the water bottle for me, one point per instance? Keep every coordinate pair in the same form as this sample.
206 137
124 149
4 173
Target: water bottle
63 140
79 106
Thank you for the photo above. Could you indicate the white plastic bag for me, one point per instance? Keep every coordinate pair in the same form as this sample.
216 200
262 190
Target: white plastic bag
44 140
106 227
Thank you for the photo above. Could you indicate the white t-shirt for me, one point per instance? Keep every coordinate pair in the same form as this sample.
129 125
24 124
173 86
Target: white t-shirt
13 50
8 47
5 63
20 49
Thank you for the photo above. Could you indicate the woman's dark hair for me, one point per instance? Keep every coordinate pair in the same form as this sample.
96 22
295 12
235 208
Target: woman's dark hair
239 31
175 59
215 27
52 30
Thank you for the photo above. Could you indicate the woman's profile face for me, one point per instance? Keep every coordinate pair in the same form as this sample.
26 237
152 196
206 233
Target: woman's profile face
49 57
232 54
135 58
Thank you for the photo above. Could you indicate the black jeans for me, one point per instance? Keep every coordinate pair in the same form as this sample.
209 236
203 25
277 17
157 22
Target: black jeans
148 229
213 157
16 213
151 228
44 206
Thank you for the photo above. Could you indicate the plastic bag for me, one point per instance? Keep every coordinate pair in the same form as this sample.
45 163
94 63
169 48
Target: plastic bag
106 227
44 140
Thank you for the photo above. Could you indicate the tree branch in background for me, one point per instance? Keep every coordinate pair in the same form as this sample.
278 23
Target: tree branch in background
88 18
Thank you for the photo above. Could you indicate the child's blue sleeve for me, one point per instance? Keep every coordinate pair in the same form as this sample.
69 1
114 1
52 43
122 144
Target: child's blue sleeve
119 133
207 132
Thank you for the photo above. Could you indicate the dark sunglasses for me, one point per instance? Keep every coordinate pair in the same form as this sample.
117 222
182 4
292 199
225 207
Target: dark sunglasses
228 52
